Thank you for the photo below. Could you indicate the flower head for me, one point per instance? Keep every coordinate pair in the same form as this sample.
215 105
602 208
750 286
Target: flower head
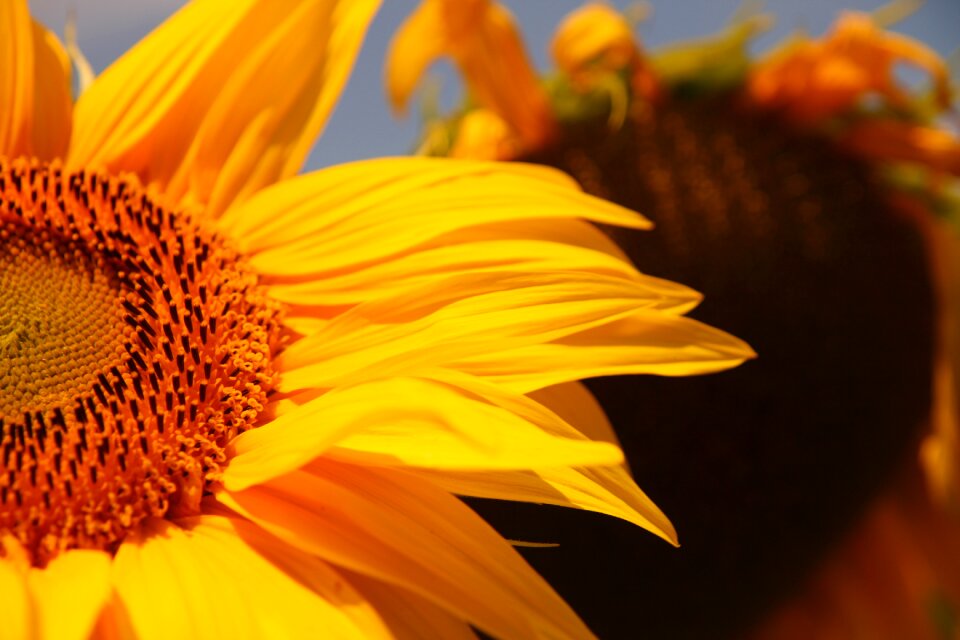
240 402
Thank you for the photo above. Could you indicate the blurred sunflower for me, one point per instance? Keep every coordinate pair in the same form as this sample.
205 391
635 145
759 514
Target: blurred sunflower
812 197
238 403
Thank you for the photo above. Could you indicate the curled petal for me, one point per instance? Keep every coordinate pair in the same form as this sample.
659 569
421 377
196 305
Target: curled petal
595 34
596 40
482 39
815 79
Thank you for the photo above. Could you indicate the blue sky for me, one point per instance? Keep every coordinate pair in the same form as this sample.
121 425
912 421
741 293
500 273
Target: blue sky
362 126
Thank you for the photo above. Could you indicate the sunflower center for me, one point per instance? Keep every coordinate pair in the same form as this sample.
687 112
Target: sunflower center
58 312
134 344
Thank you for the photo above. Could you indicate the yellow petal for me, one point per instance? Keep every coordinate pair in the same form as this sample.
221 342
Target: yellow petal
224 98
293 439
409 616
366 211
577 406
207 581
412 423
433 425
405 532
420 268
34 87
602 488
332 585
482 39
19 618
576 233
480 316
645 342
607 490
69 593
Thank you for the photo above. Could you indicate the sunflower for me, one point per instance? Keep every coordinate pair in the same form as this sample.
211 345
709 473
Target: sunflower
811 196
238 402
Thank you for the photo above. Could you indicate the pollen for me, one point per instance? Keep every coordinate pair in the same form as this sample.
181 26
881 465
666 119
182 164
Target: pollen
134 344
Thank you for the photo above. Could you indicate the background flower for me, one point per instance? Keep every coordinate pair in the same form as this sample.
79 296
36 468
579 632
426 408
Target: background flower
801 189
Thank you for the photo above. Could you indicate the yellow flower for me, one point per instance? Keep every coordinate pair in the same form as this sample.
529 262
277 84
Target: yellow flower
236 402
813 198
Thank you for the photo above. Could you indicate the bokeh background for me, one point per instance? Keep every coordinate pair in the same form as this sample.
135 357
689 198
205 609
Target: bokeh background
363 127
